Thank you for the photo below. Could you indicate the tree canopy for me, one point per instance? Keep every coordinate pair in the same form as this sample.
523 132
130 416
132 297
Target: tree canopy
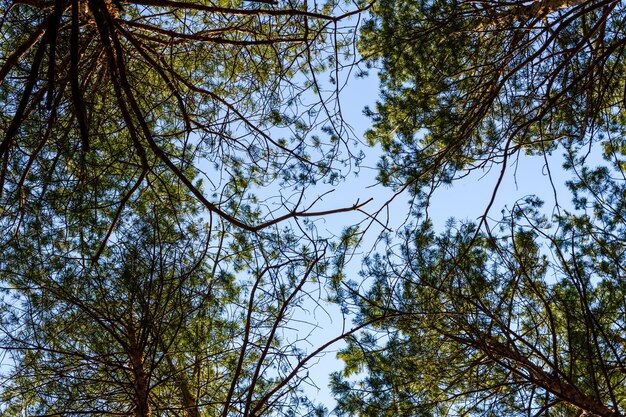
472 84
156 159
518 315
102 98
163 324
521 320
161 161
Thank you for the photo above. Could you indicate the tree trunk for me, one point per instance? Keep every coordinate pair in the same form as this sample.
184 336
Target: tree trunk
142 389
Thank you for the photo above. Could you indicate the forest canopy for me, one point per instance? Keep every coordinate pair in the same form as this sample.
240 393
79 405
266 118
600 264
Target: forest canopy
518 314
156 162
165 178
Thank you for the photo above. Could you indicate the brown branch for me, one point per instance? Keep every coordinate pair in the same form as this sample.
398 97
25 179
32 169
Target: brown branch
256 411
104 20
118 213
279 318
33 77
246 338
161 72
15 57
557 386
77 95
202 37
181 5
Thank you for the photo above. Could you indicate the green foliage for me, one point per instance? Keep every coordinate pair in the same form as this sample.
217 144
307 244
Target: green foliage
149 155
467 84
174 317
99 100
524 319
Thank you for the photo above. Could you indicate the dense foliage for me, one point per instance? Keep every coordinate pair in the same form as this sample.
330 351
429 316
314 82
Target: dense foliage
527 318
100 99
155 162
471 84
160 162
522 315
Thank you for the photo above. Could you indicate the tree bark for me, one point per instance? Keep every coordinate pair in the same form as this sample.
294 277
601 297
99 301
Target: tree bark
142 389
551 382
